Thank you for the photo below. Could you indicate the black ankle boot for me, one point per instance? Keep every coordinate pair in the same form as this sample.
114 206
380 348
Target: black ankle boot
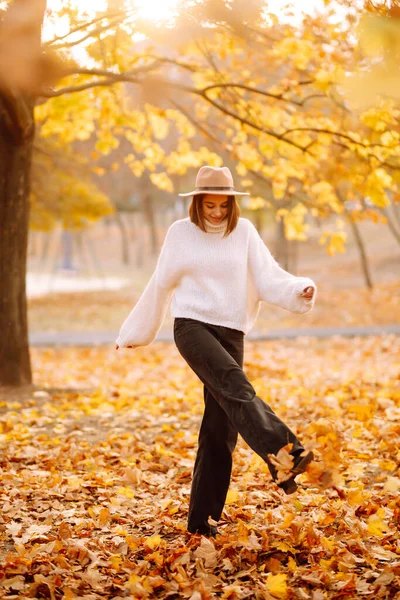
289 486
207 530
299 466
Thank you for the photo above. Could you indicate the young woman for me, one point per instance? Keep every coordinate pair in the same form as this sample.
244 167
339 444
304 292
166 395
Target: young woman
216 269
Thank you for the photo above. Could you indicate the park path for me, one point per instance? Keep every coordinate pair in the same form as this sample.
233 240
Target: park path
104 338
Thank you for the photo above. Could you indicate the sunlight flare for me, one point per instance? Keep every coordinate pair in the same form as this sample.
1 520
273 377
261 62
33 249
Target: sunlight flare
156 10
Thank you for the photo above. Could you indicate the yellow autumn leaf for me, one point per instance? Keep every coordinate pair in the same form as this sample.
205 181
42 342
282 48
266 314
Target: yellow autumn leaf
241 169
156 557
166 427
99 170
255 203
376 524
292 565
287 520
279 187
378 196
336 241
126 491
160 126
136 167
232 496
104 516
277 586
162 181
284 546
323 79
355 497
392 484
91 512
295 227
378 119
106 143
324 194
183 125
153 541
132 542
300 51
388 465
116 561
327 563
282 461
376 183
390 138
329 544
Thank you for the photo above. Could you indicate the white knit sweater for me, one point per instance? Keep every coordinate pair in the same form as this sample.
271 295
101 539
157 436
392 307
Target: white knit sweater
216 280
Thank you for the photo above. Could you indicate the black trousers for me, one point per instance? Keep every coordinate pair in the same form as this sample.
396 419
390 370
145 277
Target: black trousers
215 354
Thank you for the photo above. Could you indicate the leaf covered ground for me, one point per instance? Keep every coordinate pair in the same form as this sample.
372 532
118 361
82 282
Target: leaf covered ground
96 463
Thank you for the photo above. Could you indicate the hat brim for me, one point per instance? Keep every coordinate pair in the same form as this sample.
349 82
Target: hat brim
216 192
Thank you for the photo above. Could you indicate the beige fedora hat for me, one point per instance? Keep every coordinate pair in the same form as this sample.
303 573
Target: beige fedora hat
214 180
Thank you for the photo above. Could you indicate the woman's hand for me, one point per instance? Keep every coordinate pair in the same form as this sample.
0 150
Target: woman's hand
307 293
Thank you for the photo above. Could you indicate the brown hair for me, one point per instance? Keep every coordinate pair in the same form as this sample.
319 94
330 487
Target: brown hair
197 217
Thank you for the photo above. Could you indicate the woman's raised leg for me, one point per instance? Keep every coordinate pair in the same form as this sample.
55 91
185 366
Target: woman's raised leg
253 418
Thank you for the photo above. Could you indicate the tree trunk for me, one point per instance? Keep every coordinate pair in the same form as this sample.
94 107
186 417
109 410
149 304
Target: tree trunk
136 237
282 246
391 225
67 251
45 248
15 166
258 220
293 256
81 251
139 240
361 249
21 27
147 203
32 245
124 238
396 212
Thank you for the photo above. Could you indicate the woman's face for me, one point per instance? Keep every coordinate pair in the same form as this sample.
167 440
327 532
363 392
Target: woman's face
215 207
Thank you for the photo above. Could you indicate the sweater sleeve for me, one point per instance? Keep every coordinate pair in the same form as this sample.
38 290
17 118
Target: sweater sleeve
274 284
141 326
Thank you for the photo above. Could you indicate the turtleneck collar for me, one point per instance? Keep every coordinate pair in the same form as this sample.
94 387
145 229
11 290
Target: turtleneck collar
215 227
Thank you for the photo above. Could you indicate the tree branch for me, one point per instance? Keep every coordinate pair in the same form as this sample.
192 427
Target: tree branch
95 33
245 121
114 21
338 133
109 79
143 69
72 89
196 124
80 27
261 92
129 77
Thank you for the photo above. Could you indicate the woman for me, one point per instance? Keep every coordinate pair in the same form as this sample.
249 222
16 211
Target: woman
216 269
